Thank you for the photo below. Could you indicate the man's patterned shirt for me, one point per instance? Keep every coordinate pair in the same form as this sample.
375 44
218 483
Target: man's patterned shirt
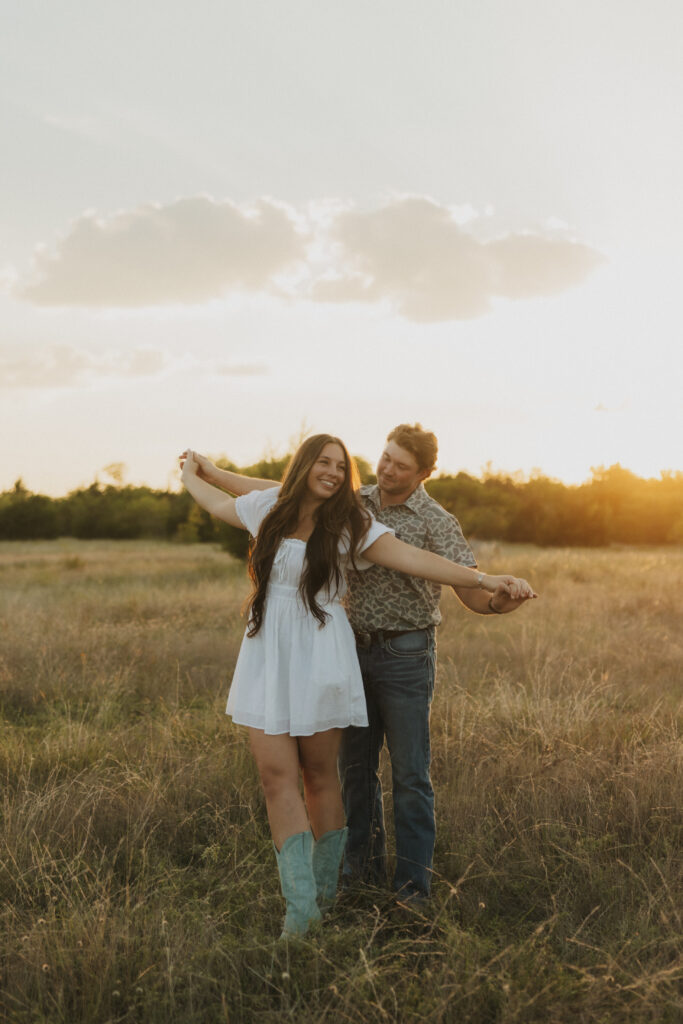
380 598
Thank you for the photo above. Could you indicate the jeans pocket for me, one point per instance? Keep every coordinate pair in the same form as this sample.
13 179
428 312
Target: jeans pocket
409 645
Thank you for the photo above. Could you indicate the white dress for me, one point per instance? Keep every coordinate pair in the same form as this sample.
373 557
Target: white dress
295 676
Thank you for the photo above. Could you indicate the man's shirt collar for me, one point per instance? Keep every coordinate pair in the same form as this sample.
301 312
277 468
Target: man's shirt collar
415 501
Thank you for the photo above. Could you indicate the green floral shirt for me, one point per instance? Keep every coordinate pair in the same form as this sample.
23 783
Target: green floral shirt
380 598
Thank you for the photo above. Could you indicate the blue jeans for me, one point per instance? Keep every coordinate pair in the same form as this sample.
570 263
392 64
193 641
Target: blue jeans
398 674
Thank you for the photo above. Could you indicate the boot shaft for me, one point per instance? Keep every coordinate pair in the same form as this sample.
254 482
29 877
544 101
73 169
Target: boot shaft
295 867
327 854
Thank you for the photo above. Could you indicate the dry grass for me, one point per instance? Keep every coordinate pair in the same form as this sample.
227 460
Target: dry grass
136 875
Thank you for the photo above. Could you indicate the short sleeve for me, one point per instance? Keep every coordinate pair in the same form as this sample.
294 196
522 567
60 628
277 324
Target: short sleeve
375 531
253 508
446 539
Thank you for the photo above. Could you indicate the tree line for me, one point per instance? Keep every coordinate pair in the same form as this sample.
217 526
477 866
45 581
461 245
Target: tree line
614 507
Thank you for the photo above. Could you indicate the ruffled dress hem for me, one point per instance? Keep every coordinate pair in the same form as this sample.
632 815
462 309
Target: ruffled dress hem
284 728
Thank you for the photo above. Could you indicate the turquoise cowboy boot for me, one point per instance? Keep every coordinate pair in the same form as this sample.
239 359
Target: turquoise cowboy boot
298 884
327 854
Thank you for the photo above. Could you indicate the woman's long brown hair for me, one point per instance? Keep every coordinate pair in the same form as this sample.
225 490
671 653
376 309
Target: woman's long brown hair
339 516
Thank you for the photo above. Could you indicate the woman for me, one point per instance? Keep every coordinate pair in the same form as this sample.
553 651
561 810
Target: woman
297 683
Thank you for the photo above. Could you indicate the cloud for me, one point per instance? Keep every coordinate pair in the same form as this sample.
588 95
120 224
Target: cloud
189 251
423 258
526 266
415 254
63 366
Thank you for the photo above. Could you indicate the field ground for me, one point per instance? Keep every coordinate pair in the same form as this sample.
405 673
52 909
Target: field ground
137 879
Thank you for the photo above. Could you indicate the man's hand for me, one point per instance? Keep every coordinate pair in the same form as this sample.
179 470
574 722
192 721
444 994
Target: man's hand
501 601
204 466
487 602
513 586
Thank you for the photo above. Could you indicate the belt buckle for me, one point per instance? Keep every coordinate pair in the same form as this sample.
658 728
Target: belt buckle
363 639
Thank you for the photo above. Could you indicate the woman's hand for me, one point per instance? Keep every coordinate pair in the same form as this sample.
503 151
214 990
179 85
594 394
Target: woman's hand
189 464
208 497
501 603
205 468
204 465
516 588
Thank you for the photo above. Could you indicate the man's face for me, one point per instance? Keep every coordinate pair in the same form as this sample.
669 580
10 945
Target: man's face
398 471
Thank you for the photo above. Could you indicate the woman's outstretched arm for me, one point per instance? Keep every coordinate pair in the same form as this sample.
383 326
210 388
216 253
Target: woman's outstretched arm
236 483
210 498
392 553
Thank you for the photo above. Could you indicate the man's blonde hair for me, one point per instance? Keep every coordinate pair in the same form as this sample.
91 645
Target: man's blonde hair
420 443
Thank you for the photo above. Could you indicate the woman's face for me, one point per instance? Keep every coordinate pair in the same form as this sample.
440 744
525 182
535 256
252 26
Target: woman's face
328 472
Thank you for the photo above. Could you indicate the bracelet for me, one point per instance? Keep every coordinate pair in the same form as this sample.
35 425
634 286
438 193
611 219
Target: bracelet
496 611
480 579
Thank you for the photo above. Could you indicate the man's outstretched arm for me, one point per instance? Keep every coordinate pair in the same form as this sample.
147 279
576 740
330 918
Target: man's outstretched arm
447 540
235 483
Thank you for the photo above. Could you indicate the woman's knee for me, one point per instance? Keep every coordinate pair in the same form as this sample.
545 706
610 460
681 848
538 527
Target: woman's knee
320 776
276 781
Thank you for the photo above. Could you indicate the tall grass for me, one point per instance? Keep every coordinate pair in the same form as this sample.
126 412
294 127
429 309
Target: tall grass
136 872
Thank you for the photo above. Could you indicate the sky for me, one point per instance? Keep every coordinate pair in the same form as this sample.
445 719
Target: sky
228 223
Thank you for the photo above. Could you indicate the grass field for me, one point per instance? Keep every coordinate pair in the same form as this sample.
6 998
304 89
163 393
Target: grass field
137 877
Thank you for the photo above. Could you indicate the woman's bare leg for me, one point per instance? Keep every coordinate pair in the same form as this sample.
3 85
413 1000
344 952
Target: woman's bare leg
322 790
277 760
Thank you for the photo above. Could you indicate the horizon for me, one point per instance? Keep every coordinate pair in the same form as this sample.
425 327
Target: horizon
116 475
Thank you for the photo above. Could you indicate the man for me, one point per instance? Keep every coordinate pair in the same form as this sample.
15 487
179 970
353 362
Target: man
394 617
